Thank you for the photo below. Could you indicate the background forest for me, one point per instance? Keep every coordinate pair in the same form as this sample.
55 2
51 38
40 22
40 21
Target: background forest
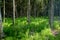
31 19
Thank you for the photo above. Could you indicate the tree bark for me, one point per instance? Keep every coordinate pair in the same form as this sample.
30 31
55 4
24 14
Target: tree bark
4 11
35 10
28 12
16 12
51 15
1 28
13 12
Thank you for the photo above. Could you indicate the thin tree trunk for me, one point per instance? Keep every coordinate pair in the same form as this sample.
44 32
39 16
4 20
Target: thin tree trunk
21 9
21 12
4 11
16 12
13 12
34 10
1 28
28 12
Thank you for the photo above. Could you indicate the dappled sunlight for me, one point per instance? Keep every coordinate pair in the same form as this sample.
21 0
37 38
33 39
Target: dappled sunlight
46 31
24 22
56 24
35 23
7 24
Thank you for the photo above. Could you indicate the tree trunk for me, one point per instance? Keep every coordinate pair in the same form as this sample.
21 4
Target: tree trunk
51 15
35 10
21 12
4 11
28 12
13 12
1 28
16 12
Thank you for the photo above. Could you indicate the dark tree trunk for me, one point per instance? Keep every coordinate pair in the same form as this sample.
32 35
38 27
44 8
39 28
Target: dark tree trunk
21 12
16 12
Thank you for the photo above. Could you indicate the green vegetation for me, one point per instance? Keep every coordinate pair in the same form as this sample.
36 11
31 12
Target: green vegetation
28 20
38 29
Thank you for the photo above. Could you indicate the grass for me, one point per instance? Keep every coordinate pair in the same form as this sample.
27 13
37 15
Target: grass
38 29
